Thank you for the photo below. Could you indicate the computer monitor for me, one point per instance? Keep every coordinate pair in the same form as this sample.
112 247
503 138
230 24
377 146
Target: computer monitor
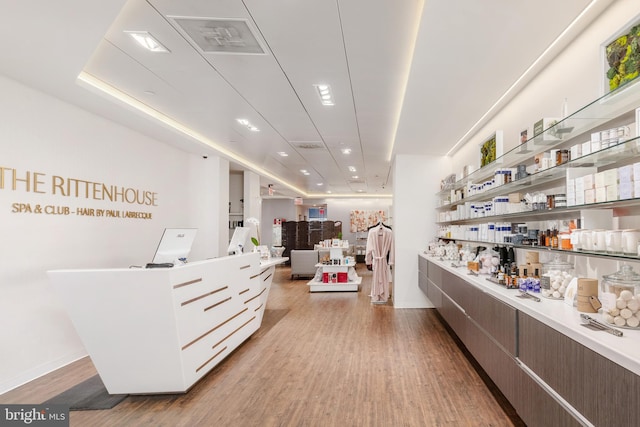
241 236
174 245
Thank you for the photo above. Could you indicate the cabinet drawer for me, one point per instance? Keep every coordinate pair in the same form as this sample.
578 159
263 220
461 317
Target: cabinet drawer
423 265
494 316
604 392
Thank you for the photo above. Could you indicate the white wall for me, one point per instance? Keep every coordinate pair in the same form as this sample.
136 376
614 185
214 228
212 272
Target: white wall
416 179
41 134
576 74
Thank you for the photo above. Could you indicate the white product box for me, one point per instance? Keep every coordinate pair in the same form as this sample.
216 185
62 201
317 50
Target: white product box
571 199
611 177
576 151
589 181
579 183
636 188
612 192
601 195
598 180
586 148
595 146
589 196
595 137
636 170
552 157
625 174
571 186
580 197
626 190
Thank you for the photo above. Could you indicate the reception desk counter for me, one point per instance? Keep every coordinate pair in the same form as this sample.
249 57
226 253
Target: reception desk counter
161 330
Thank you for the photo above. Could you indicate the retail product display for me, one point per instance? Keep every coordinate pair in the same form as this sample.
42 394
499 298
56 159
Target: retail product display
620 297
556 276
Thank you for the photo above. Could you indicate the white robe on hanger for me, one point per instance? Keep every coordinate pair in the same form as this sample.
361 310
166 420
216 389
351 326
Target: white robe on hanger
379 245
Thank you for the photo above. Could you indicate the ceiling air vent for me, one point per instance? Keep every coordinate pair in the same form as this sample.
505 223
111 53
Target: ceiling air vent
220 35
308 145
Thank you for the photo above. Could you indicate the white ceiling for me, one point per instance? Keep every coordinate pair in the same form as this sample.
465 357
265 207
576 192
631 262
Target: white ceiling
407 79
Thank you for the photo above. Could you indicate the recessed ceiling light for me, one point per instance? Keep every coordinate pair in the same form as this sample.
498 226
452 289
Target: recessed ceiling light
282 154
352 168
355 177
346 151
305 172
245 123
147 41
320 184
324 92
328 191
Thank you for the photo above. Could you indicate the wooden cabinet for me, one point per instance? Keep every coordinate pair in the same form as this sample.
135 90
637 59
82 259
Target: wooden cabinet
604 392
550 379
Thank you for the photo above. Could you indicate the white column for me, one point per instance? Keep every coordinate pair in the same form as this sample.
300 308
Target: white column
252 200
210 206
416 180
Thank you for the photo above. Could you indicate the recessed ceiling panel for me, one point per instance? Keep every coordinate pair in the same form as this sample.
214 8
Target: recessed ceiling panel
220 35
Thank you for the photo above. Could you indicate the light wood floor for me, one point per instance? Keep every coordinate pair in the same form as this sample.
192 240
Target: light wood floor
322 359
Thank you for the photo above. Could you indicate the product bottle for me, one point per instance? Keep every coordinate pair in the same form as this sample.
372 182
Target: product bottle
542 238
514 276
547 241
511 255
501 280
554 239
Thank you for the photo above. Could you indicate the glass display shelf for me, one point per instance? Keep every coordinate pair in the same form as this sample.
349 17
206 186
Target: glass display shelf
548 249
631 206
554 175
606 108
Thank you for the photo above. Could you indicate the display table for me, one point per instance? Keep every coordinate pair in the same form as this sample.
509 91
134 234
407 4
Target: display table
161 330
349 286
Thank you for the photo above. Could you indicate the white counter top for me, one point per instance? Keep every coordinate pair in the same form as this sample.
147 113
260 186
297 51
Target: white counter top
272 261
624 350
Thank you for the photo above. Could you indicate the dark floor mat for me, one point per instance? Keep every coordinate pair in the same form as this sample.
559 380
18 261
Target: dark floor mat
89 395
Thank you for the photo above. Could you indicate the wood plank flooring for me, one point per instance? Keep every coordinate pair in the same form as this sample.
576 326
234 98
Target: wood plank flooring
321 359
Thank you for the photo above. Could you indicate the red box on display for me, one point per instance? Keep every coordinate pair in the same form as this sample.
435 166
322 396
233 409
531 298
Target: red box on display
343 277
325 277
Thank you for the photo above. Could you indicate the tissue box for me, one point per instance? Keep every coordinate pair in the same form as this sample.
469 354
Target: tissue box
601 195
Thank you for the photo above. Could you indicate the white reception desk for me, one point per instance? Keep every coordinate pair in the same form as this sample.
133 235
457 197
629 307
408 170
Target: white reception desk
161 330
